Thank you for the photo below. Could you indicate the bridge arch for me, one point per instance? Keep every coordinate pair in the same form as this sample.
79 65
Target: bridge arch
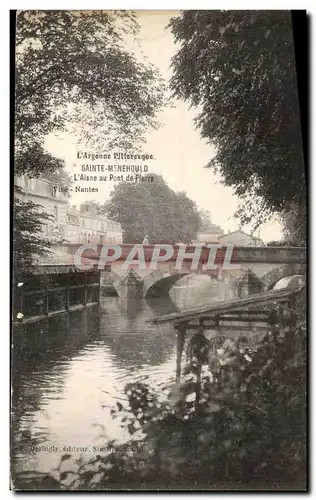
158 284
271 278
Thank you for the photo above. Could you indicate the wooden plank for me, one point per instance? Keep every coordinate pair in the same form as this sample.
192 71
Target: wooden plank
245 318
56 289
56 313
208 311
227 329
59 269
32 319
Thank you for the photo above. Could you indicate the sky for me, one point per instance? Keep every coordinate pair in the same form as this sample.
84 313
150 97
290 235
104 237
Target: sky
179 151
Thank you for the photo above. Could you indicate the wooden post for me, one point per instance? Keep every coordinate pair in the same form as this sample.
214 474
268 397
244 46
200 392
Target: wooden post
198 388
21 302
292 304
85 319
67 302
67 294
181 331
85 290
46 298
45 295
99 287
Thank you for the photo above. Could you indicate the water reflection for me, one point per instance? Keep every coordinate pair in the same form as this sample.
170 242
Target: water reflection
133 339
162 305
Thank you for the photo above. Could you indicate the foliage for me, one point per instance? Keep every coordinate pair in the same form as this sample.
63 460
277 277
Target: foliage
247 426
28 240
239 68
37 161
61 178
294 227
207 225
248 423
155 209
93 205
30 217
295 224
278 243
71 66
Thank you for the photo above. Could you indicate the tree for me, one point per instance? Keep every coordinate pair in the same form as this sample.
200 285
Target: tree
29 218
239 68
28 240
71 66
207 224
295 225
278 243
45 164
244 425
56 172
94 206
155 209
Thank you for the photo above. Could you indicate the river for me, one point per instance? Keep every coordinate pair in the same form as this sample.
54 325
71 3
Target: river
65 387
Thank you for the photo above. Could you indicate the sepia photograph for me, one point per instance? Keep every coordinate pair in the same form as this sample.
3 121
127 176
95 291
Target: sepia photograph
159 213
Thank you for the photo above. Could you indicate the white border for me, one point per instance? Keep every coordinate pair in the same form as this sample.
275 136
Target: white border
4 254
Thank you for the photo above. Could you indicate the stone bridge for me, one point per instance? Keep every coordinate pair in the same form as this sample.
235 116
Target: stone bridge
250 270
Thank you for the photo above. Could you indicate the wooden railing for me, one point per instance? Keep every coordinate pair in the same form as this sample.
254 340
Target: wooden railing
35 301
230 306
254 309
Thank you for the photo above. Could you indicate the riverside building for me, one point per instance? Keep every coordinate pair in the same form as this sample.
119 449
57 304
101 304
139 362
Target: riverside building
68 224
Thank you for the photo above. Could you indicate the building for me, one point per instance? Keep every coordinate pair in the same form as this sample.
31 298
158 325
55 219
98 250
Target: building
87 226
239 238
54 203
68 224
208 237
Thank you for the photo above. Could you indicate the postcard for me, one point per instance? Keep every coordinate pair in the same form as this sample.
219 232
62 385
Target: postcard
159 252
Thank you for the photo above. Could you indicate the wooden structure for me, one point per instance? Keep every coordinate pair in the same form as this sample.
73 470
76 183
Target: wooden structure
54 290
252 310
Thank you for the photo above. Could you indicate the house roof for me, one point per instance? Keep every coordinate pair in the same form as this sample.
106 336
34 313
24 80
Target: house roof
208 236
240 231
57 261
